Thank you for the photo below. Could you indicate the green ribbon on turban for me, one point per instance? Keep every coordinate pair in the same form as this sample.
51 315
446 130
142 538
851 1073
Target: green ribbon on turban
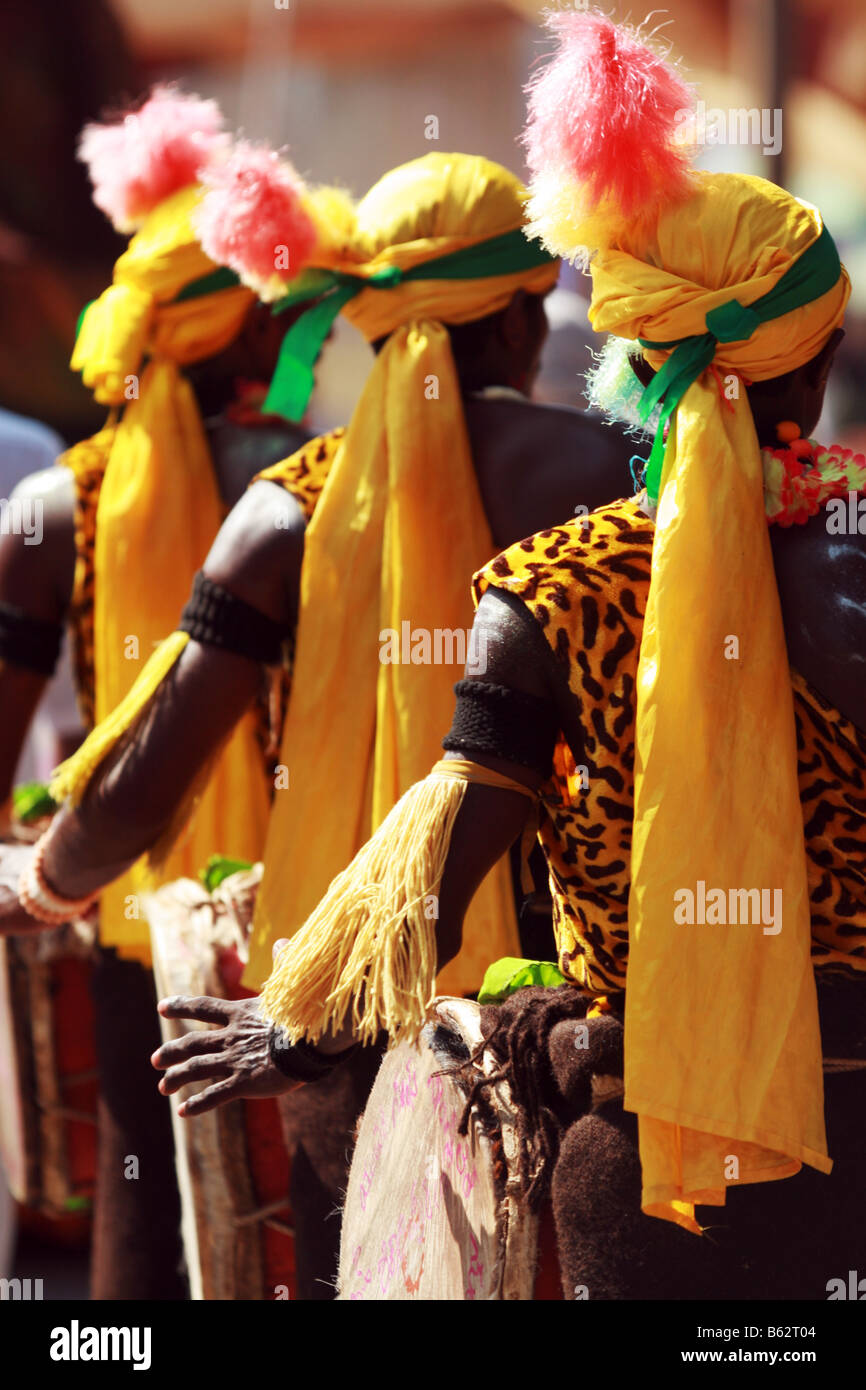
811 275
292 382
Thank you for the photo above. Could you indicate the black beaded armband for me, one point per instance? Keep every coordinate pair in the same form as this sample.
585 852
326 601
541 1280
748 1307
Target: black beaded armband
218 618
503 723
30 642
300 1061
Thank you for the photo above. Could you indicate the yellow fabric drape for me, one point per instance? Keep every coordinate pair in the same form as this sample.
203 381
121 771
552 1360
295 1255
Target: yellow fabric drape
723 1054
159 510
396 532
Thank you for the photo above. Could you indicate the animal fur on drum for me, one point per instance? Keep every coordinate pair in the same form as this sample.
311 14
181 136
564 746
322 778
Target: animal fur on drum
549 1076
783 1240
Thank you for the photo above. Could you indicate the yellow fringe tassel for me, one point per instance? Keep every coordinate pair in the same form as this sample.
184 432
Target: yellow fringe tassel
72 778
370 945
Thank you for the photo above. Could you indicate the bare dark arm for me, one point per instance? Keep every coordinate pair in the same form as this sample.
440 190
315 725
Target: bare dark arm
490 819
133 797
236 1058
257 556
37 579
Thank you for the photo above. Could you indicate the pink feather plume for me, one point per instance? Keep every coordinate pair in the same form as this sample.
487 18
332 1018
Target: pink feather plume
607 111
253 219
150 153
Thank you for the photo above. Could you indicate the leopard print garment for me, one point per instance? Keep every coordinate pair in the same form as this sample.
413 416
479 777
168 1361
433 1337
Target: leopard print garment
305 473
587 583
87 463
831 765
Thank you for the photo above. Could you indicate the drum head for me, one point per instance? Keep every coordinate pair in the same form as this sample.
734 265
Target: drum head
424 1215
232 1167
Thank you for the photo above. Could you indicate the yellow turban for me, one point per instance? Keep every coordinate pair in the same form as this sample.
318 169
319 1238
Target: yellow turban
399 527
159 510
723 1053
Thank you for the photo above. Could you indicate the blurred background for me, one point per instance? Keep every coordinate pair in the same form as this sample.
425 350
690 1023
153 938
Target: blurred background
348 87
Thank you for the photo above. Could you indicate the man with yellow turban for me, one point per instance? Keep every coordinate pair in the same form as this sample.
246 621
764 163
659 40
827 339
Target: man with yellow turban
357 538
127 519
698 781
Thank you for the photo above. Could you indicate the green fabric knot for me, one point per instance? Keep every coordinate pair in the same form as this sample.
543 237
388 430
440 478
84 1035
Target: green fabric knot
385 279
812 275
216 280
293 380
732 322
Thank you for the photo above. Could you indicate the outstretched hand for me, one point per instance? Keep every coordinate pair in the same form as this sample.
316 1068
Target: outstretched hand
235 1057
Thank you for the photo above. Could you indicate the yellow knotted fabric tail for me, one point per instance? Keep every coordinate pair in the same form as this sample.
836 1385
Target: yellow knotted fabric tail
399 527
367 954
723 1047
725 281
158 512
70 780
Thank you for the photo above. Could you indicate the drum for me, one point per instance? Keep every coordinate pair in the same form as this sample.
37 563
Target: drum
431 1214
232 1163
48 1075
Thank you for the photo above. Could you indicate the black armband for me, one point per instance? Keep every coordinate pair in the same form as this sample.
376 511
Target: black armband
300 1061
218 618
30 642
503 723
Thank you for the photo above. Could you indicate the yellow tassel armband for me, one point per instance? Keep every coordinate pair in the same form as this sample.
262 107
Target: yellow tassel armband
72 778
368 951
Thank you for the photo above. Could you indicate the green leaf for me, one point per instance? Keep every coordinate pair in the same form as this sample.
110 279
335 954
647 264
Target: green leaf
32 800
219 868
78 1203
505 976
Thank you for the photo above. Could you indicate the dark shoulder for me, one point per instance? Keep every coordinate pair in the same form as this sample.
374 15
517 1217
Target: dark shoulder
564 424
822 588
537 465
259 550
506 634
239 451
517 655
37 544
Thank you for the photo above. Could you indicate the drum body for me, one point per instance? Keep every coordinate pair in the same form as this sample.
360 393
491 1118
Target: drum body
432 1214
232 1162
48 1075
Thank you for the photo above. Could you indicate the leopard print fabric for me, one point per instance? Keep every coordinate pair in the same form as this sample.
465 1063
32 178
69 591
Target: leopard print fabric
87 463
587 583
305 473
831 767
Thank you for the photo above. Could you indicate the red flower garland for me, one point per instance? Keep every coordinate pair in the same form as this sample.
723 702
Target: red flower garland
801 476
